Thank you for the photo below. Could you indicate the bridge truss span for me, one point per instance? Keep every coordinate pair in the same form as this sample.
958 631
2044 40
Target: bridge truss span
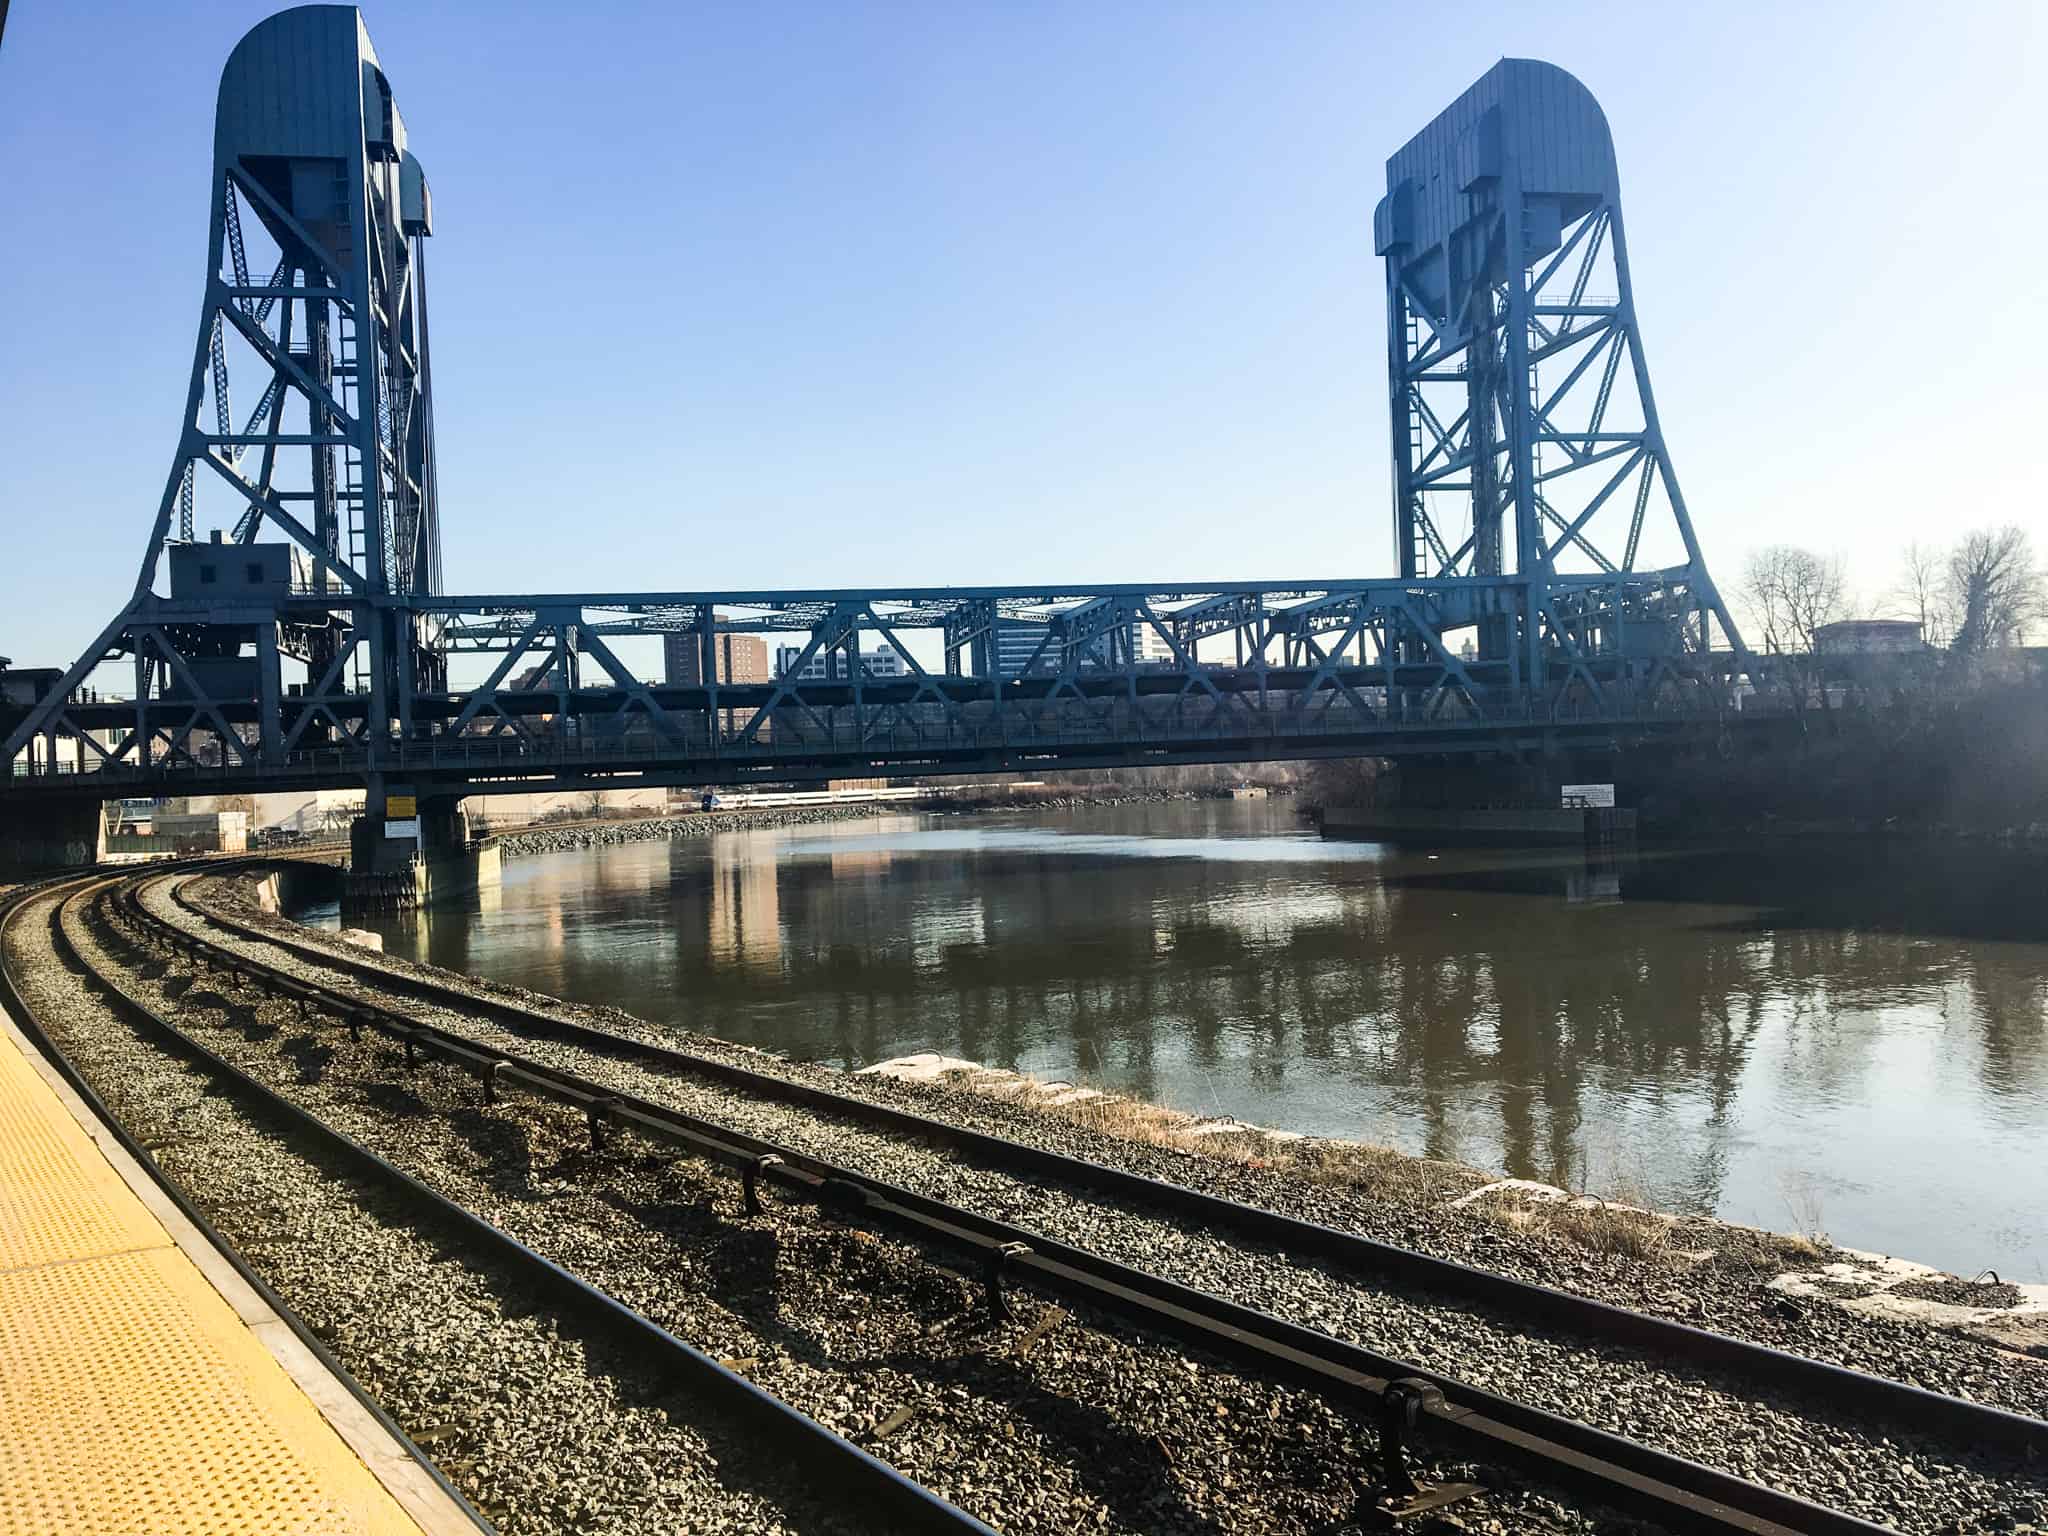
290 623
940 680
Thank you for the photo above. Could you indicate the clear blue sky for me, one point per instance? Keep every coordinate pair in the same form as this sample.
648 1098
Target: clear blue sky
781 294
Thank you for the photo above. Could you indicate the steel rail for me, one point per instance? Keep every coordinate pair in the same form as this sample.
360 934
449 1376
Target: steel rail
1675 1492
894 1498
1910 1408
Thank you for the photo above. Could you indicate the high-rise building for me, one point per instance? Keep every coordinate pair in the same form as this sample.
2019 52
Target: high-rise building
1017 643
1018 653
830 666
1148 646
740 658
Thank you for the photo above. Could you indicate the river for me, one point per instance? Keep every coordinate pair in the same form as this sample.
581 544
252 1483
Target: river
1818 1037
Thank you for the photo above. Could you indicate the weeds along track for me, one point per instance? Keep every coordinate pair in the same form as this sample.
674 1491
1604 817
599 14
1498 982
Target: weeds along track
614 1097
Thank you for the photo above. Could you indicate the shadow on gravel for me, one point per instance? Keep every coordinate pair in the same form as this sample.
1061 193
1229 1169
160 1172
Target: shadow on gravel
239 1017
310 1056
395 1098
729 1259
506 1148
175 987
1129 1471
696 1221
788 1292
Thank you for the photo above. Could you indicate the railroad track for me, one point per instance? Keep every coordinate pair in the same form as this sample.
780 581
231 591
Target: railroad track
1000 1248
1399 1397
1900 1405
894 1501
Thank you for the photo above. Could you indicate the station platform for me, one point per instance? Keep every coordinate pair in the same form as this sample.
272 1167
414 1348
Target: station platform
145 1387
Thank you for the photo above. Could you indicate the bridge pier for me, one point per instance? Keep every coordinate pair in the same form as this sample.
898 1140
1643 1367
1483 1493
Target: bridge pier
398 862
50 834
1499 800
1447 783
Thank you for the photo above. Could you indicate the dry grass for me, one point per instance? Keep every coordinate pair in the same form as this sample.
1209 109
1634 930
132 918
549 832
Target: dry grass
1381 1172
1626 1227
1623 1225
1803 1201
1598 1226
1795 1245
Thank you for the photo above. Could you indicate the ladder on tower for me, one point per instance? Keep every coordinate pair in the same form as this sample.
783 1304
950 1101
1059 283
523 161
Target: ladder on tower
1417 534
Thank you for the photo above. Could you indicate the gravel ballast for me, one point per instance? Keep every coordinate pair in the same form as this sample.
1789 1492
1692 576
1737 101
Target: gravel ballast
543 1429
1915 1487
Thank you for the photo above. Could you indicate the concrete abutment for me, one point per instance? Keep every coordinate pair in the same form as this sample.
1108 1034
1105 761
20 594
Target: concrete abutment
49 833
400 862
1497 801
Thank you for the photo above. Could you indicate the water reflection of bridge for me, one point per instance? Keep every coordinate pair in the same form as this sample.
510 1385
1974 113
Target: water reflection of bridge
1437 983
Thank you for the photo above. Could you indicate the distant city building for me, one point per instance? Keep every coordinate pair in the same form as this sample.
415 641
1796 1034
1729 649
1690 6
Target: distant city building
27 685
1017 643
540 677
739 658
830 666
179 832
1149 646
1867 637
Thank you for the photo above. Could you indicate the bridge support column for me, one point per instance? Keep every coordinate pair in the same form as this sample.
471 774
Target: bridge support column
400 862
1472 783
1502 801
38 833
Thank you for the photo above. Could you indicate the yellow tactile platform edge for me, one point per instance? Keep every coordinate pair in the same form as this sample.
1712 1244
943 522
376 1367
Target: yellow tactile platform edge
133 1399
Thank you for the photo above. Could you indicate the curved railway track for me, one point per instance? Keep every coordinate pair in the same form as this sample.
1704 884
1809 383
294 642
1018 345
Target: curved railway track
895 1501
1879 1399
1400 1397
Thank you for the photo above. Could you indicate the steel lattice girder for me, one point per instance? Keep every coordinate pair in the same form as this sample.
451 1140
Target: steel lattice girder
1309 671
1526 442
310 161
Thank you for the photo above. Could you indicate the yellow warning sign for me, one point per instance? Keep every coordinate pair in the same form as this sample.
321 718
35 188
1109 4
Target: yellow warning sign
401 807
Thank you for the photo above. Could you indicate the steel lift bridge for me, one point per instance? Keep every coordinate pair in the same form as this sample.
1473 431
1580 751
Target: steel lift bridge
289 626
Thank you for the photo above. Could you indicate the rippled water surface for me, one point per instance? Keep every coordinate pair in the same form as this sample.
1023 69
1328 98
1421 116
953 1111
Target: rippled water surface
1829 1037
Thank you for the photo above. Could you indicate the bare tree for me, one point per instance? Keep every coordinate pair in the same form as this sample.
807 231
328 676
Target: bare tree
1791 593
1921 593
1994 588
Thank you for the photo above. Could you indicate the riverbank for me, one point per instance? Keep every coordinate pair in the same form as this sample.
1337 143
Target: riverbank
1627 1240
562 837
1867 1010
642 829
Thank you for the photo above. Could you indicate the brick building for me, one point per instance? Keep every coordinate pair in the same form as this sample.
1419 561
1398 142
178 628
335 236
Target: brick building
741 658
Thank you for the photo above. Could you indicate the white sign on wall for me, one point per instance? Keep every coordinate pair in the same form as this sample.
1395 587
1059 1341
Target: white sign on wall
1598 796
409 829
